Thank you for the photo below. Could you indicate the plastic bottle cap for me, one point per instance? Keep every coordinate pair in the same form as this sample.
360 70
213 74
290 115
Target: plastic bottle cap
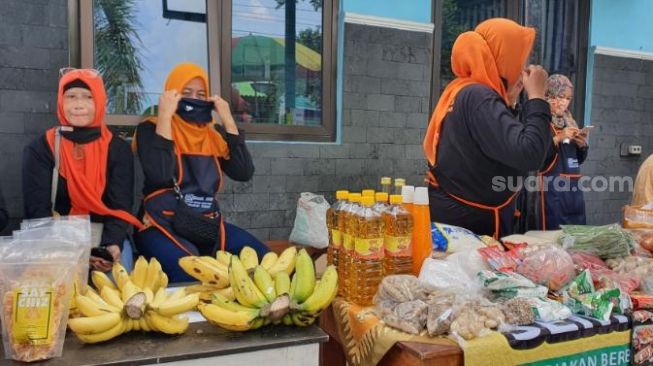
421 196
386 180
368 192
407 193
381 197
342 195
400 182
368 201
355 197
396 199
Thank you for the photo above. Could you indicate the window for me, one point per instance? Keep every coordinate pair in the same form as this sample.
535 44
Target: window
560 44
273 60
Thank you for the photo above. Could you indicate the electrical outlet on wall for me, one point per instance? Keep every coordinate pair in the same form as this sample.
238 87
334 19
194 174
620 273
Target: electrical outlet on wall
629 149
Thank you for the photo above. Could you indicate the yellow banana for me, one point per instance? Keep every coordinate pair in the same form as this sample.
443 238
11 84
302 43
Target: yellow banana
282 283
142 323
167 325
120 274
305 273
200 288
163 282
100 301
223 257
149 296
112 297
89 307
303 320
248 257
219 300
129 325
178 294
269 259
136 324
257 323
286 262
212 261
153 275
178 306
293 285
287 319
101 280
206 273
159 297
325 292
140 271
128 290
264 282
94 324
117 330
244 288
232 320
228 293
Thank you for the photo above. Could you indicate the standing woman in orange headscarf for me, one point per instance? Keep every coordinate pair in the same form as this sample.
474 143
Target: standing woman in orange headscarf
475 145
183 153
95 168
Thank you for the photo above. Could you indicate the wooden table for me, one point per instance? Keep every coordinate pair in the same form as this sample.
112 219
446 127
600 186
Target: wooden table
402 353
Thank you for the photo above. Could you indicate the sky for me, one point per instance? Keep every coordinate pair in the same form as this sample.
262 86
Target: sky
167 42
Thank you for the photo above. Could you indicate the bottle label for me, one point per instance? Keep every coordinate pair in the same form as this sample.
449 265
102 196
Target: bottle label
336 238
33 316
347 241
397 246
369 248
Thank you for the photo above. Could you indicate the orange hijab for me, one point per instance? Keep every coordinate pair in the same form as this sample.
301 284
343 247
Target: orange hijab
193 138
496 49
86 177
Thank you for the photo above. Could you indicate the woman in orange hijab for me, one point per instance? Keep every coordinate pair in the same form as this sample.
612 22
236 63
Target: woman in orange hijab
183 153
95 168
475 145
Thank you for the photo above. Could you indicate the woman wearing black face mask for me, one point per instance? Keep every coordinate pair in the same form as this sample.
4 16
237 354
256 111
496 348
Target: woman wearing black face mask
183 153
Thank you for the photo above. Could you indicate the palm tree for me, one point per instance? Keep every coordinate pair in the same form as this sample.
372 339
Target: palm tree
117 54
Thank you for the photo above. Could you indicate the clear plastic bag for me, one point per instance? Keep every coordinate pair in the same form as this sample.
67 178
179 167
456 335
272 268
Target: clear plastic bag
409 317
548 265
440 275
36 289
400 303
310 221
401 288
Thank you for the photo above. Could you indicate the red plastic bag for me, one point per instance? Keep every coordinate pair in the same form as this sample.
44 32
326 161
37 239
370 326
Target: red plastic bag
584 260
548 265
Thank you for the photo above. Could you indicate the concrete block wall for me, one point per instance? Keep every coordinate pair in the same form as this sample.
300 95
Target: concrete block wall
33 47
622 111
387 75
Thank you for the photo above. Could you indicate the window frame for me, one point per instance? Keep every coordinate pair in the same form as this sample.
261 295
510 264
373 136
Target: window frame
219 20
516 11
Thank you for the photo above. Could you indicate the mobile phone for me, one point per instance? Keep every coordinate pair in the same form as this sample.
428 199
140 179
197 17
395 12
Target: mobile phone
103 253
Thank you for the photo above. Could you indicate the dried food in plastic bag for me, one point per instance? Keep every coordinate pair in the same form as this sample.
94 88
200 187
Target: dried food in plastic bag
401 288
409 317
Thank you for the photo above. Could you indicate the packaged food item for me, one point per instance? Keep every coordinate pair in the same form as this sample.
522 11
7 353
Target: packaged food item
499 259
475 318
493 280
608 241
440 275
400 288
509 293
585 260
449 238
470 262
581 297
641 301
36 289
547 265
518 311
643 237
441 313
548 310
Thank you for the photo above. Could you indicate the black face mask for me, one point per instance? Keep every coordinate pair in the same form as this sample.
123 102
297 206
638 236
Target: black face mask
81 135
195 110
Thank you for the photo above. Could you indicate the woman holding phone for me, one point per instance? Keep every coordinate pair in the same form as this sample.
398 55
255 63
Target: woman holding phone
560 198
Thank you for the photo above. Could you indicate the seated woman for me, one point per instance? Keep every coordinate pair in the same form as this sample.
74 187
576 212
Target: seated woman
183 153
94 169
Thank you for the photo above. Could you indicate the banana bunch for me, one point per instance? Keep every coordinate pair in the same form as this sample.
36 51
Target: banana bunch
136 301
264 292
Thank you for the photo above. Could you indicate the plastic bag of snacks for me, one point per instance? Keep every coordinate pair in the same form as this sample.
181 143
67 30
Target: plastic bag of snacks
440 275
581 297
643 237
452 239
608 241
36 287
637 217
547 265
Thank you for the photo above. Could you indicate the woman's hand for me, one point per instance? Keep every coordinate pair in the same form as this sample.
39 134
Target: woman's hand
566 133
103 265
168 102
581 137
223 110
535 78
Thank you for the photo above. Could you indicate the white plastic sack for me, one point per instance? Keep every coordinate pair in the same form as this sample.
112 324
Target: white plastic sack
310 221
440 275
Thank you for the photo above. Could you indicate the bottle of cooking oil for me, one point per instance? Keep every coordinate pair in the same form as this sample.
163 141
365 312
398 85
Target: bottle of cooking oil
398 231
345 256
367 269
407 196
386 182
381 202
368 192
399 183
335 235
